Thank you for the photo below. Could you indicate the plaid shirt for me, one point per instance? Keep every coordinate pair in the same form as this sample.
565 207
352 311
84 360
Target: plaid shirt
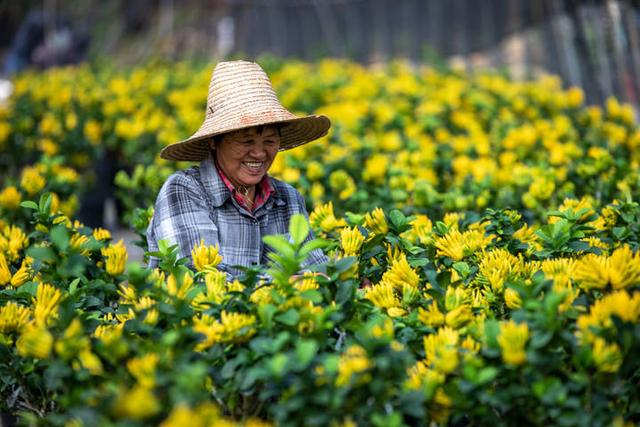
195 204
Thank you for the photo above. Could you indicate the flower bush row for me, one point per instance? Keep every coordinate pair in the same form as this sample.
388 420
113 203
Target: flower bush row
474 319
415 138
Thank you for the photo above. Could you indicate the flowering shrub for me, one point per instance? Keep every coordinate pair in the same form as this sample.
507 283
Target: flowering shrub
499 285
473 319
416 139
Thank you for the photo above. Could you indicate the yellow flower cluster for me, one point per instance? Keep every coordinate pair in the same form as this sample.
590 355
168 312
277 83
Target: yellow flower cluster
353 365
231 328
115 258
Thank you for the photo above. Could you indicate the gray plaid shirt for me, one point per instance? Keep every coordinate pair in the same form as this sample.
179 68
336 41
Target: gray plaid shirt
195 204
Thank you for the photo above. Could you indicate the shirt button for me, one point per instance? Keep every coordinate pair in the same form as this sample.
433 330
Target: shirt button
255 221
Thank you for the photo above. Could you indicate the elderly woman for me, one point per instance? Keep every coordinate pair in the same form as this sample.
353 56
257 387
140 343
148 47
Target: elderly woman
230 201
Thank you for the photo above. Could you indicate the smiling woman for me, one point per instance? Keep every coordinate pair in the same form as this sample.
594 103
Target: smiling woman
229 200
244 157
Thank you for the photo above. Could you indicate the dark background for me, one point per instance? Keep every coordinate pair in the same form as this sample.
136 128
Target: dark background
592 44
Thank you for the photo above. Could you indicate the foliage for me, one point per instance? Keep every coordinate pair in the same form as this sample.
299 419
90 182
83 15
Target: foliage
415 138
499 284
471 320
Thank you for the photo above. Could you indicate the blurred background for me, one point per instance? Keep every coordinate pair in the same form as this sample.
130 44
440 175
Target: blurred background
588 43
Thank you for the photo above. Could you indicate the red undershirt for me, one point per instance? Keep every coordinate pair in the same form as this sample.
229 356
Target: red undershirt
263 191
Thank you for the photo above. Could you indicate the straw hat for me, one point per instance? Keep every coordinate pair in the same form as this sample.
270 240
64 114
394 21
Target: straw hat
241 96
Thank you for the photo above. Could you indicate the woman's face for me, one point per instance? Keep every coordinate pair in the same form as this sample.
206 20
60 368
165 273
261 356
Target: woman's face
245 156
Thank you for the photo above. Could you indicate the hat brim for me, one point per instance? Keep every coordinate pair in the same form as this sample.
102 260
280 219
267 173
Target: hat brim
293 133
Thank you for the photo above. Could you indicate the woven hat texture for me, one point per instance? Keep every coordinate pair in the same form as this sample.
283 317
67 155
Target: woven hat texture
241 96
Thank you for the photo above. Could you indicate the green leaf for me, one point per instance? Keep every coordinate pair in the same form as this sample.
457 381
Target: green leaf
487 374
311 246
298 229
289 317
353 218
41 253
278 364
462 268
29 204
60 237
74 285
305 351
280 244
266 312
45 203
312 295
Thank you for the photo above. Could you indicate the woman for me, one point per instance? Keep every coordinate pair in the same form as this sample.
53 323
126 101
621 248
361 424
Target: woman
229 201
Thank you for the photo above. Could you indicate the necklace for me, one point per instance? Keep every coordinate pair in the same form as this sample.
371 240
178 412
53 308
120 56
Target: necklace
244 191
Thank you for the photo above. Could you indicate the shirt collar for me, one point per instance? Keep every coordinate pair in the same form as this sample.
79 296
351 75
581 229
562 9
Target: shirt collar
213 184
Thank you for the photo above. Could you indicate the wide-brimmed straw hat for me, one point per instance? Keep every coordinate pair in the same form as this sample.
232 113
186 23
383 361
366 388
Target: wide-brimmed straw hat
240 97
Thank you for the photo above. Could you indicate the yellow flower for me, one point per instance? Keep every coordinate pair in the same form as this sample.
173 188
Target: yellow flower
13 317
456 245
179 287
512 339
396 312
23 274
143 369
342 183
575 97
307 282
48 147
72 341
421 377
376 222
46 302
93 132
354 361
89 361
618 303
232 328
432 316
215 282
382 295
471 345
323 217
115 258
607 357
421 230
441 350
10 198
528 235
456 297
620 270
204 415
5 273
383 330
375 169
459 316
101 234
31 181
315 170
496 266
512 299
77 242
205 257
400 273
14 241
138 403
35 341
351 240
238 327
